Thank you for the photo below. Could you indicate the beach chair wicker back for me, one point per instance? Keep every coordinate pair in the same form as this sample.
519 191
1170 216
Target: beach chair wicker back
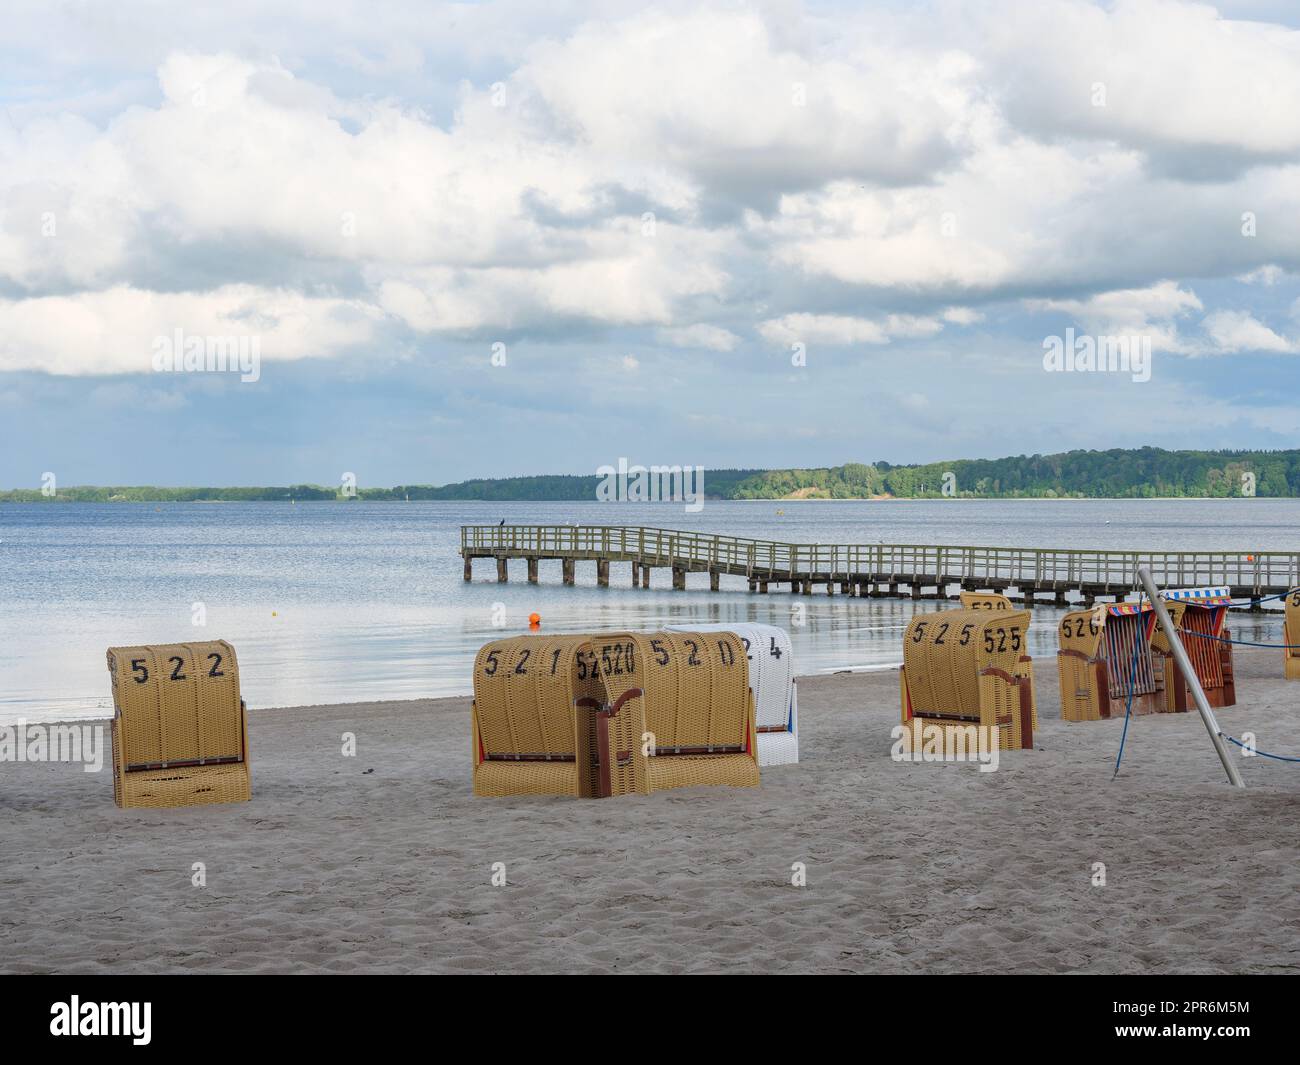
529 735
984 601
770 659
179 728
693 722
1291 635
969 667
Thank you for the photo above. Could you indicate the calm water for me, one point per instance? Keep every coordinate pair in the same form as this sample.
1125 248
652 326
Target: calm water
326 602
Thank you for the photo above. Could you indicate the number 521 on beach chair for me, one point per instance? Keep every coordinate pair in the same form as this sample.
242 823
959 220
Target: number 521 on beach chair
180 729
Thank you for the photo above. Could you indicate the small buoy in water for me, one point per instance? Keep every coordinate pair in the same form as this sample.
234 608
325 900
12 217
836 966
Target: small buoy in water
272 613
1250 558
534 620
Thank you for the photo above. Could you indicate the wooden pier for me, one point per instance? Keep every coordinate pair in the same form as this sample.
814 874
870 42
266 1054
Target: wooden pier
877 570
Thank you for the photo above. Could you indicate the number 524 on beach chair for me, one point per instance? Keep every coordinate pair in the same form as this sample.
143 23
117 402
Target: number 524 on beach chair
180 729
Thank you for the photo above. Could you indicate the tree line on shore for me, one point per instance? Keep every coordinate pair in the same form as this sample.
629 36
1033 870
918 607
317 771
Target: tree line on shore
1115 474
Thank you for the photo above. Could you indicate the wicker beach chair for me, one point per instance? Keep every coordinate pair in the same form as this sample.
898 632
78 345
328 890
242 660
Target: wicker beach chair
529 735
984 601
180 729
1200 615
1025 667
776 692
1291 635
1102 653
679 710
963 668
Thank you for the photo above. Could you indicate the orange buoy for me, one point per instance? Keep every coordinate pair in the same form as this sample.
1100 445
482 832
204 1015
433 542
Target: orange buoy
534 620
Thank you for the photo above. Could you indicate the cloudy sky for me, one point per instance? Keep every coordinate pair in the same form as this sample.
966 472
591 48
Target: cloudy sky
507 238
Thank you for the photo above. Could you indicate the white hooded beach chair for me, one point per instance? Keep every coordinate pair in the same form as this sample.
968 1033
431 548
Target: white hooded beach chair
771 679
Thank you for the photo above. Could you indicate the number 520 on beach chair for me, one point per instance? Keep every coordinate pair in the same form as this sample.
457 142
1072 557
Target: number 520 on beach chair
180 729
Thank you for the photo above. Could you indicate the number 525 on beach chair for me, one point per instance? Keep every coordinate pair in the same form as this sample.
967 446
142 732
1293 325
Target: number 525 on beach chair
180 729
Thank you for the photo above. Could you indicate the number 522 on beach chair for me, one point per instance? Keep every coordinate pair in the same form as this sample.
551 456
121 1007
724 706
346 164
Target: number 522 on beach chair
180 729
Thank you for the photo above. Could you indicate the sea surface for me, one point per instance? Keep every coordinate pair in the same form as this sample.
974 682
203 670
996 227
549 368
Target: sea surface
334 602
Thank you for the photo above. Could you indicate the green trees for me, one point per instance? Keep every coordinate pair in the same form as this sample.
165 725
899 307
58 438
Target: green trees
1138 473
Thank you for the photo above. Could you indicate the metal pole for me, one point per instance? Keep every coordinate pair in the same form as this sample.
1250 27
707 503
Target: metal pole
1185 665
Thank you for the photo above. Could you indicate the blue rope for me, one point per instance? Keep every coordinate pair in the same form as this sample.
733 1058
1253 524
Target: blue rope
1132 684
1243 643
1264 599
1262 754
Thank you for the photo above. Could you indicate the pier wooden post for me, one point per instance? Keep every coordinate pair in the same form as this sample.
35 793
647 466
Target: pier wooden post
714 578
645 576
762 587
469 567
532 571
602 572
679 579
566 568
503 574
807 587
636 577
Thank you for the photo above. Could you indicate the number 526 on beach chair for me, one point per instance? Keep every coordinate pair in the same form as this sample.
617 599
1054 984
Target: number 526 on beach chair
180 729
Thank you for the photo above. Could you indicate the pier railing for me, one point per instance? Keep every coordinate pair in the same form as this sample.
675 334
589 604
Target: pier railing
1248 572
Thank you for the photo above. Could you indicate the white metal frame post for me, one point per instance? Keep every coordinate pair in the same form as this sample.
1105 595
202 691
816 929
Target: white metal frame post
1185 666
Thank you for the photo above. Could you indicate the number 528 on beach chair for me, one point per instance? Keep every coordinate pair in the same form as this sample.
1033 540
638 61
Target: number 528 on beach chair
180 729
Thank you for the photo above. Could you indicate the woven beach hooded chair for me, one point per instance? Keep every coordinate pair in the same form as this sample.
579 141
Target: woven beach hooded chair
960 669
1025 666
771 680
530 735
1200 616
677 711
180 729
1105 664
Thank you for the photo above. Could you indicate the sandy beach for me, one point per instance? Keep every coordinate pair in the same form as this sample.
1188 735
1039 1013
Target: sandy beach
383 862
